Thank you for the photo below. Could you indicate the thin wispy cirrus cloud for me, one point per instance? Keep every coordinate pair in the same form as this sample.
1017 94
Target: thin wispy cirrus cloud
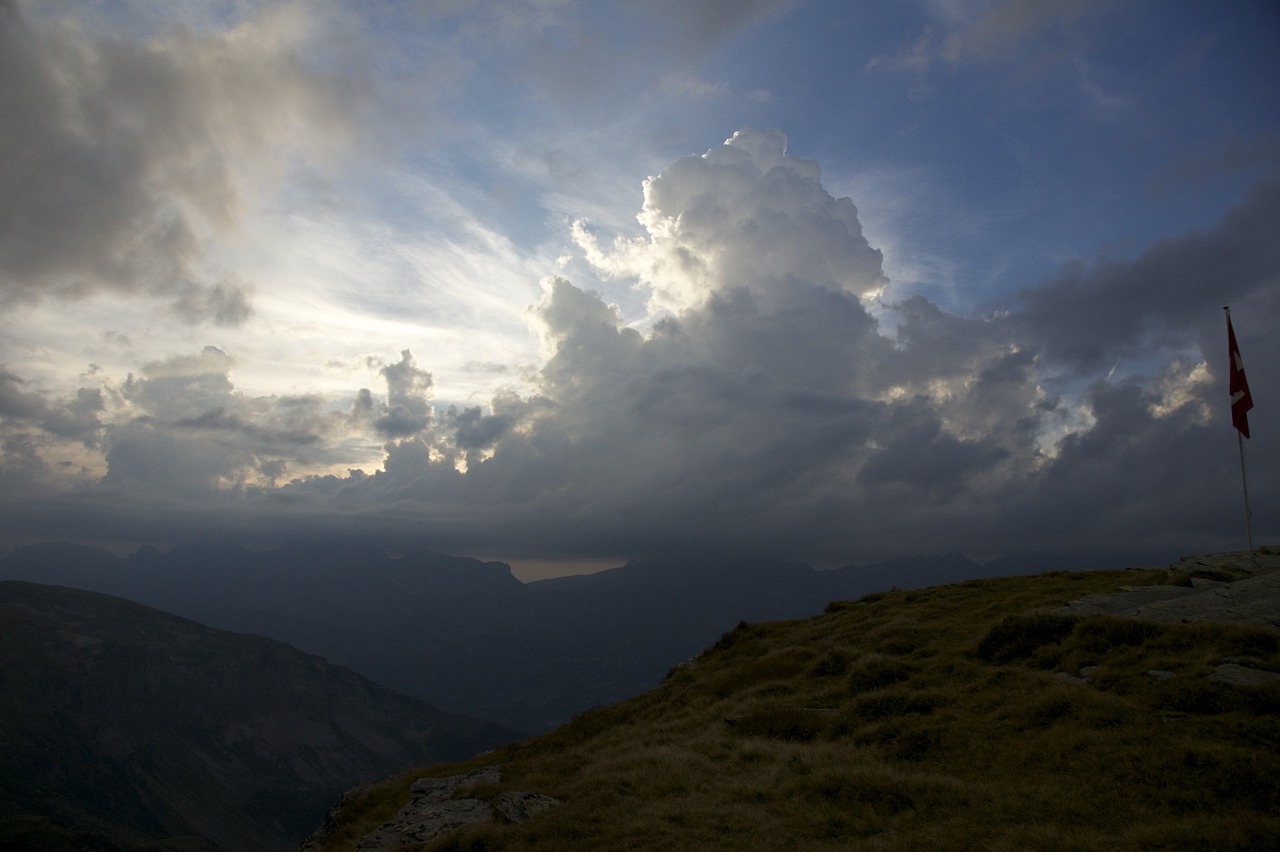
568 282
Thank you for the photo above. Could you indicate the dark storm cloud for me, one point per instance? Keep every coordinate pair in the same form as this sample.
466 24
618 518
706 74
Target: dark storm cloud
924 458
408 408
46 443
183 386
475 430
76 418
120 157
1136 478
1091 316
218 420
1238 154
227 302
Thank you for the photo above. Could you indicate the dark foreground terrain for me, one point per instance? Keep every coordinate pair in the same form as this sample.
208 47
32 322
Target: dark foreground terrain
122 727
982 715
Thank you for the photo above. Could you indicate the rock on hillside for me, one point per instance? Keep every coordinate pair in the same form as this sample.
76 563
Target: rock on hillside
122 726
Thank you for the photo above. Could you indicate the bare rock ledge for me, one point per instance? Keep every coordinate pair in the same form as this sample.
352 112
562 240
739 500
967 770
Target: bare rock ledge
438 808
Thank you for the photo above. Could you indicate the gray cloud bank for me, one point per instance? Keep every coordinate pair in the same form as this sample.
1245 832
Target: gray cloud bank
778 405
119 159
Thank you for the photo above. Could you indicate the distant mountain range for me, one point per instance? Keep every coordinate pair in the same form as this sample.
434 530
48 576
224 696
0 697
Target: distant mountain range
122 727
467 635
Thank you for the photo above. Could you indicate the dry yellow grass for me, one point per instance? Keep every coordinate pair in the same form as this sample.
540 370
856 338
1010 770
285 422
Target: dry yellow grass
908 720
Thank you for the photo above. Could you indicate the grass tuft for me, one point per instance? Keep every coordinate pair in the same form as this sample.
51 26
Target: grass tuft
1018 637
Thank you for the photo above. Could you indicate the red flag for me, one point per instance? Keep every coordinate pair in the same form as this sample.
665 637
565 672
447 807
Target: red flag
1241 401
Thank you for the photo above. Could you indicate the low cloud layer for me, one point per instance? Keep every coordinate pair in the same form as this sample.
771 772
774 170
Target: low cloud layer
773 402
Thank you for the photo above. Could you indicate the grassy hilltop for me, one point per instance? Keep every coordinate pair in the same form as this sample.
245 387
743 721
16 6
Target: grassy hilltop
941 718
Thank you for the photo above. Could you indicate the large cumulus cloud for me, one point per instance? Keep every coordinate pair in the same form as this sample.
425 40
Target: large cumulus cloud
747 193
769 408
772 402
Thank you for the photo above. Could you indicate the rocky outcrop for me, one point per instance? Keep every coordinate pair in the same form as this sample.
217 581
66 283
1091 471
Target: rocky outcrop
439 805
1239 587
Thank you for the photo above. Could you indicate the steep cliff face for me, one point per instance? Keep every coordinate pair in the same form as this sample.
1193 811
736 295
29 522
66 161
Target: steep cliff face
121 721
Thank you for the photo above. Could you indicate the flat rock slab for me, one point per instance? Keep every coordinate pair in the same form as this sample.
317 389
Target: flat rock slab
1242 675
436 809
1127 602
1257 562
520 805
419 823
1253 600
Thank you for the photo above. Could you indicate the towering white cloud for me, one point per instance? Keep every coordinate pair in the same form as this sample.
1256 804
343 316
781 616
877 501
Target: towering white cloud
769 409
702 212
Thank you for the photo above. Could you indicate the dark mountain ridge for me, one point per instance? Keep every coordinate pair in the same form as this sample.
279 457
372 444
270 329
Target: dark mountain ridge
123 725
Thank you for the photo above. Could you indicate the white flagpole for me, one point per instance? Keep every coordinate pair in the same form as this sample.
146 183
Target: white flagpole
1244 479
1244 483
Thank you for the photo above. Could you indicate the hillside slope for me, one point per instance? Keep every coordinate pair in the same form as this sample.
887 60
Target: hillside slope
123 726
963 716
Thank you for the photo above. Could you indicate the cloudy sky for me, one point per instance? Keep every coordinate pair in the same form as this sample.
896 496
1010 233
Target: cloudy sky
565 283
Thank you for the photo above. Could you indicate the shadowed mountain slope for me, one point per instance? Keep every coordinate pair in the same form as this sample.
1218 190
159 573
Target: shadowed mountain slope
123 727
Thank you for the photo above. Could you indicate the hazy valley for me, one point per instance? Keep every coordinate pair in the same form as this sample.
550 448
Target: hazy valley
467 636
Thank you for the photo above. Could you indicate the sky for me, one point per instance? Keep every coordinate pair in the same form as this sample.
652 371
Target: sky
568 283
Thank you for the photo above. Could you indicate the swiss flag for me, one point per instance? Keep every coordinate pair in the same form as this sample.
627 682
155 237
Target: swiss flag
1241 401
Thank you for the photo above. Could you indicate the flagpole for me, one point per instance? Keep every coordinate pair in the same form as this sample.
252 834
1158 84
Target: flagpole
1240 432
1244 484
